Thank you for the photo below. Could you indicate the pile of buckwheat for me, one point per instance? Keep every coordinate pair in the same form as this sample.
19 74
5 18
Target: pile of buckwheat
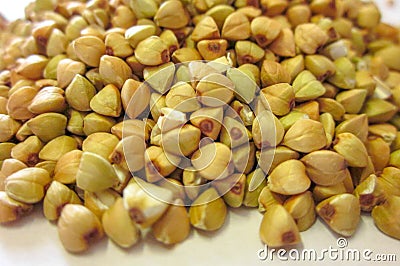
132 117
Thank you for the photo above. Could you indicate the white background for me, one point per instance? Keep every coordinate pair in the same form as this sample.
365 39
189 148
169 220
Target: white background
34 241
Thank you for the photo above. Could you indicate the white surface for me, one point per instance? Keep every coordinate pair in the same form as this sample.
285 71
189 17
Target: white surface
34 241
13 9
390 13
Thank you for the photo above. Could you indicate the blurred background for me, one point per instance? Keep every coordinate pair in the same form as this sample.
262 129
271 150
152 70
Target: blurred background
13 9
